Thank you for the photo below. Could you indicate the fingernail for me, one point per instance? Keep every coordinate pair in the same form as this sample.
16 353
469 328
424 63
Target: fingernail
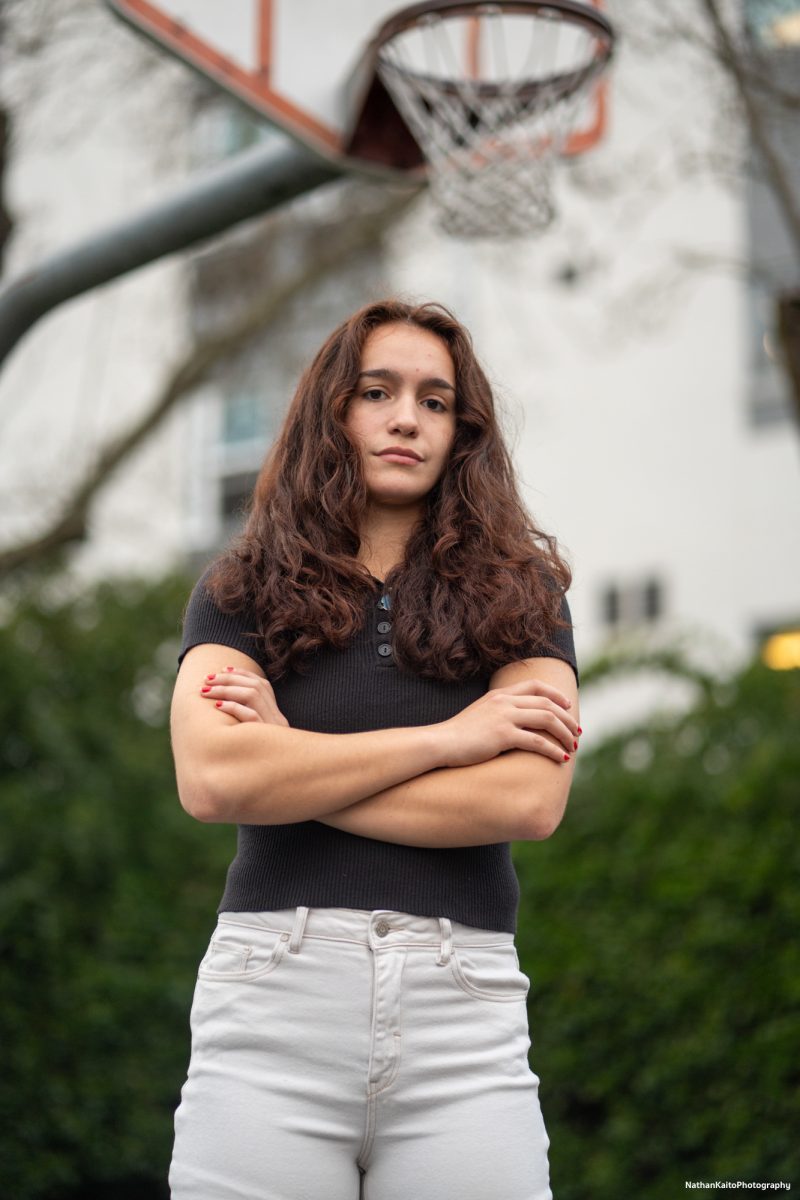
229 668
566 758
579 729
575 744
205 689
217 704
211 676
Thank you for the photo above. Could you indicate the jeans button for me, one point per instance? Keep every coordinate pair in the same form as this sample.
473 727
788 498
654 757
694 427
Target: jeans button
382 928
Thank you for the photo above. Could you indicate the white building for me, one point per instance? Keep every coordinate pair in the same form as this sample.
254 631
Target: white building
651 433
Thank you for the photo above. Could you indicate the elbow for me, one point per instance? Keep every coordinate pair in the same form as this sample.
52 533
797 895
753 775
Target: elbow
199 804
206 812
540 817
201 800
232 778
213 797
540 789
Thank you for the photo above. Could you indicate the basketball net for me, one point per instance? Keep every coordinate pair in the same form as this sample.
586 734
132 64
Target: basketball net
491 133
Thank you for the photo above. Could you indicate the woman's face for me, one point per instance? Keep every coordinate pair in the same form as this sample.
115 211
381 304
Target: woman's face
403 412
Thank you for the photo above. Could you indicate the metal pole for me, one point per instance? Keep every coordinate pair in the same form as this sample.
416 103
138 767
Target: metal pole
251 184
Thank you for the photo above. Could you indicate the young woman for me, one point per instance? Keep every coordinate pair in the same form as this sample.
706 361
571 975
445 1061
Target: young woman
377 684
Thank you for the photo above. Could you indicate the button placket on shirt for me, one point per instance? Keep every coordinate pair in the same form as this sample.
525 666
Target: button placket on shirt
384 627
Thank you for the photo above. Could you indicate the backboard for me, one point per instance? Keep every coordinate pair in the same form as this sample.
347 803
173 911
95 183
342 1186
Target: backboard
304 65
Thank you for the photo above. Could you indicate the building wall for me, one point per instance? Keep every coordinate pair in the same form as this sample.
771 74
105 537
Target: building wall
620 343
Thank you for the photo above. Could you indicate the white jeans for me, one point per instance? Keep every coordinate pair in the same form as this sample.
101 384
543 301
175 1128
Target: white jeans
339 1054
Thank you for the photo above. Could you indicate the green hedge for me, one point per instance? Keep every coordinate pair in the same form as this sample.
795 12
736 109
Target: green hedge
659 925
660 929
107 895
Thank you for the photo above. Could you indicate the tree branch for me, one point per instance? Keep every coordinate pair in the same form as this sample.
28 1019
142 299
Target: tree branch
775 168
332 244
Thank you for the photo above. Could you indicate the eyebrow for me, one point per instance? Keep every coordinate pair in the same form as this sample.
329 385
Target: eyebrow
395 377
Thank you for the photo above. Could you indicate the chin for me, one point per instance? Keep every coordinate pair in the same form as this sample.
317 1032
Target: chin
396 499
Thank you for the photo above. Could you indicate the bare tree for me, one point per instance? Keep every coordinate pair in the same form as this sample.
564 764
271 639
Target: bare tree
741 60
54 83
351 220
770 102
758 90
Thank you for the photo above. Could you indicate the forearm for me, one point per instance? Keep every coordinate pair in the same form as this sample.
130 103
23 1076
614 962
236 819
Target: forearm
268 774
516 796
485 775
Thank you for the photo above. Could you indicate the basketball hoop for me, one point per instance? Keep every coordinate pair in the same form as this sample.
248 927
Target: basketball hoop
492 92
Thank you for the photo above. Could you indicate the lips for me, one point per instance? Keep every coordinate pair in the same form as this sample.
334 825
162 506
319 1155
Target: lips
400 452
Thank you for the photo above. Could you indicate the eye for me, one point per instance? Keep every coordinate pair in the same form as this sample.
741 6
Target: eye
374 393
433 400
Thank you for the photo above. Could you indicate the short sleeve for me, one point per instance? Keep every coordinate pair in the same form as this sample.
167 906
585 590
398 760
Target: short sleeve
204 622
562 644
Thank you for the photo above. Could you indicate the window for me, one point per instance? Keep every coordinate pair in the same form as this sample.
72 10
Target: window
235 493
774 30
640 602
651 600
245 418
769 382
5 218
774 23
611 605
248 427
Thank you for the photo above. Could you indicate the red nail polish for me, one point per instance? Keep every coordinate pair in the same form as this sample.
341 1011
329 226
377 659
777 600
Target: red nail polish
211 676
217 704
229 668
579 729
575 744
566 758
205 689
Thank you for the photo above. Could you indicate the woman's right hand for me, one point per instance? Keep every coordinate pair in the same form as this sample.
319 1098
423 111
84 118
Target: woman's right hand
510 718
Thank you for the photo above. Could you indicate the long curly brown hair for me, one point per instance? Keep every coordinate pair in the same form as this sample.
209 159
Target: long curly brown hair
480 585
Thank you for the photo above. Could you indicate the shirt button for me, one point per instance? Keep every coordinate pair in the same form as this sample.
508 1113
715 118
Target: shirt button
384 649
384 627
382 928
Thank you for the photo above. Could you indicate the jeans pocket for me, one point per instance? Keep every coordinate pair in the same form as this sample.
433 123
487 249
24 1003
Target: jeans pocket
242 953
490 972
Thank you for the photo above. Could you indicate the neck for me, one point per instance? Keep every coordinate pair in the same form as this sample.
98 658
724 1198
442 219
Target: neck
384 533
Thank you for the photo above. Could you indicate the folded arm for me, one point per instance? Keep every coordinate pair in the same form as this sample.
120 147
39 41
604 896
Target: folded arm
519 795
264 772
471 780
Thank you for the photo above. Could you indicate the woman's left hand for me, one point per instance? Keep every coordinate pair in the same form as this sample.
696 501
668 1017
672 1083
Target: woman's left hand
244 695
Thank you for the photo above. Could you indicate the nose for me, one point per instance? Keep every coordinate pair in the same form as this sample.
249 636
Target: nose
403 417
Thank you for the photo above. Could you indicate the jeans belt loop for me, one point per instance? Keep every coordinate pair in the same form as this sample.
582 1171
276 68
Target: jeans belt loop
447 942
298 929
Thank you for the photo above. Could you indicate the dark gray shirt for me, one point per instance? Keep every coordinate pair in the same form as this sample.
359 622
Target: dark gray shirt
308 863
